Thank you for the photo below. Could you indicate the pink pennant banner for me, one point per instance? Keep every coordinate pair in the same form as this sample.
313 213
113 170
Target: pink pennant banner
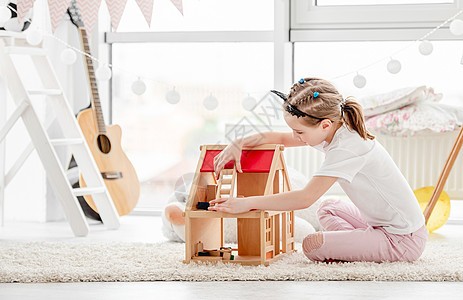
57 10
178 4
23 8
116 8
146 7
89 11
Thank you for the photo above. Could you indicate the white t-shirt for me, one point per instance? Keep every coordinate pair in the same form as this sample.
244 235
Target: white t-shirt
372 181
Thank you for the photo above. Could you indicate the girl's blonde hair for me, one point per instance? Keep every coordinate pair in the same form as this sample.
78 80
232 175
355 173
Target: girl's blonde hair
328 104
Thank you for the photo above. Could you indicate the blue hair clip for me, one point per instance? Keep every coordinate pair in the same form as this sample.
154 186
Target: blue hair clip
315 95
302 80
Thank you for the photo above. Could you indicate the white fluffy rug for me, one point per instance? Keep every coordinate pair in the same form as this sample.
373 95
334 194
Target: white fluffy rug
113 261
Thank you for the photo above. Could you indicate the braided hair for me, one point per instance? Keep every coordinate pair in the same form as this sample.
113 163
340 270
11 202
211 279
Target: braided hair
318 99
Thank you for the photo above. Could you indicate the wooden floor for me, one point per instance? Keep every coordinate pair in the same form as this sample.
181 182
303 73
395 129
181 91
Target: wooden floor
147 229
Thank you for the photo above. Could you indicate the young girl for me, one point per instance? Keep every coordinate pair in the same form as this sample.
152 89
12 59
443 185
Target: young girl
384 223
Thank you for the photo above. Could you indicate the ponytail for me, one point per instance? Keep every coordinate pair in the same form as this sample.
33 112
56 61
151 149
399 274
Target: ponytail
318 99
352 115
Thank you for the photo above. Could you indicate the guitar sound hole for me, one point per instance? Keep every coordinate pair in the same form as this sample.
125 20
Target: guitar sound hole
104 144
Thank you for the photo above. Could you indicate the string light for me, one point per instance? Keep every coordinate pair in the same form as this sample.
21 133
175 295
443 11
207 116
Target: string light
456 27
34 37
210 102
249 103
172 96
359 81
68 56
138 87
394 66
103 72
425 47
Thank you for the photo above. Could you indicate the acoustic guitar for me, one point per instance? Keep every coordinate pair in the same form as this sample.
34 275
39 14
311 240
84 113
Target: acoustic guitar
104 141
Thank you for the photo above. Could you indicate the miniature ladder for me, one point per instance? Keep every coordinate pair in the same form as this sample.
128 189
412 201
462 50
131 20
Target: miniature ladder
73 138
226 184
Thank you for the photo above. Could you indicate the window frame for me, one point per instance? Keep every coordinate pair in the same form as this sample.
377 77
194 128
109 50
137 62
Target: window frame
379 22
278 37
301 21
189 37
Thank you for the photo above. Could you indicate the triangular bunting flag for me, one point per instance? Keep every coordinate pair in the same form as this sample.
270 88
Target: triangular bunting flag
146 7
57 10
89 11
178 4
116 8
23 8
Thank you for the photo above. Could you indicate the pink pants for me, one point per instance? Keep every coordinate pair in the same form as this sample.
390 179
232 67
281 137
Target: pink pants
348 237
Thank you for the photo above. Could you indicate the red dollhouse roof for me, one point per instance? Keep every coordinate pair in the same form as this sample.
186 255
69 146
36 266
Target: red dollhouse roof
252 161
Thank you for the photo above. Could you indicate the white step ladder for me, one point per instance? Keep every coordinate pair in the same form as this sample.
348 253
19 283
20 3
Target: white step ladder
73 137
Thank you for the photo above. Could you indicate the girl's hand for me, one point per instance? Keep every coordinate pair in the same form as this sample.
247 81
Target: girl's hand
231 152
230 205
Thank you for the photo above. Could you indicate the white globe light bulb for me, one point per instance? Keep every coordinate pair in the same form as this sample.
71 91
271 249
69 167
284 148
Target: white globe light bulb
210 102
138 87
456 27
68 56
359 81
5 14
249 103
425 47
103 73
173 97
394 66
34 37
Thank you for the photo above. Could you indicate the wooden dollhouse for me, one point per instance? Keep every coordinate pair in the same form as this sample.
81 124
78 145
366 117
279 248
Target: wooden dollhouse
263 236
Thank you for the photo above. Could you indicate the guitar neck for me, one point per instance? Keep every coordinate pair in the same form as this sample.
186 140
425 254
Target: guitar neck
95 99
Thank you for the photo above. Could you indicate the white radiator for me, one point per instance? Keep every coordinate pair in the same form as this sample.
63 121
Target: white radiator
420 158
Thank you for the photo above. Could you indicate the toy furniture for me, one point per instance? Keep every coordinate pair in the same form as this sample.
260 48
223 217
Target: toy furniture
259 242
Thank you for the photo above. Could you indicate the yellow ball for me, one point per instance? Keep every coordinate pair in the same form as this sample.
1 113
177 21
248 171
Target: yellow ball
441 211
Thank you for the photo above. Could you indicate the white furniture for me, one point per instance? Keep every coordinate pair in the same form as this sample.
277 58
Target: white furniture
15 44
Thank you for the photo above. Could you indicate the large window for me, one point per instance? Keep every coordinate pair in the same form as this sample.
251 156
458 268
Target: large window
162 139
223 49
219 50
201 15
377 2
441 70
377 14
